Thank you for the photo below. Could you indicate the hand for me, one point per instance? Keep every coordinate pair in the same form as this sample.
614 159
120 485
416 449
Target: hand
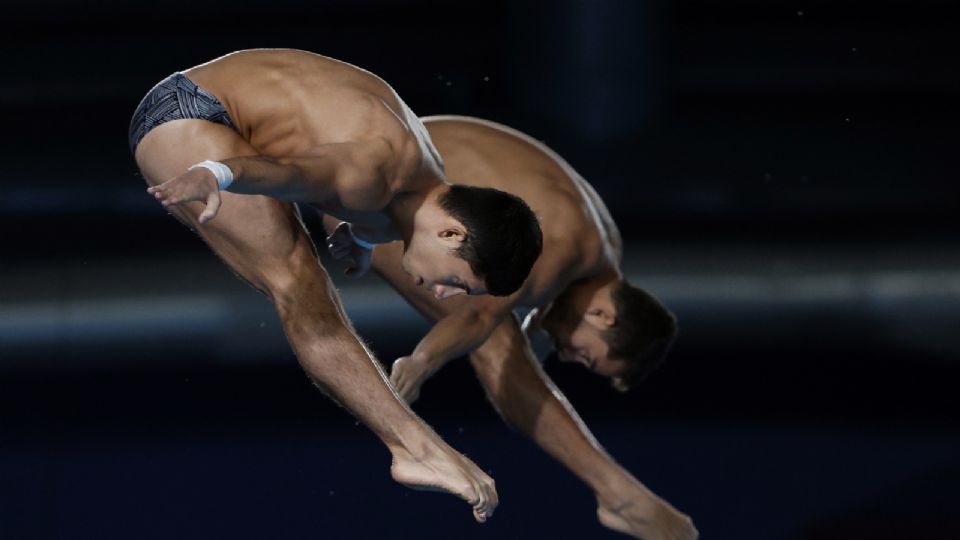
408 375
198 184
343 248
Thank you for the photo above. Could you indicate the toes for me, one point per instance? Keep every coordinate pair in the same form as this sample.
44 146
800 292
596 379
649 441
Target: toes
494 496
488 496
492 501
482 510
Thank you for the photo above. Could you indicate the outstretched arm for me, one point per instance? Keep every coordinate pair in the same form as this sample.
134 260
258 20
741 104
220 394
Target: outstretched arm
351 172
464 328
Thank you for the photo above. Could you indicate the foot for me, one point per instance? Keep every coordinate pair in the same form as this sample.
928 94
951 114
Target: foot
644 515
443 469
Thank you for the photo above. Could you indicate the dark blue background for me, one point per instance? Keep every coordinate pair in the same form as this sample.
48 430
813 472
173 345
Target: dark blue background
784 176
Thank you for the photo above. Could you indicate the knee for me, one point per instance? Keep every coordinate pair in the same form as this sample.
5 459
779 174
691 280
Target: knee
296 279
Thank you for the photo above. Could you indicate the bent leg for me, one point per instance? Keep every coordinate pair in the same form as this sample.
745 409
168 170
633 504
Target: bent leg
527 399
265 243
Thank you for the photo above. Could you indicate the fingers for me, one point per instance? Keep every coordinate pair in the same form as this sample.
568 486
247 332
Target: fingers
404 379
406 389
168 195
213 206
395 372
397 378
403 388
164 194
182 189
410 391
337 247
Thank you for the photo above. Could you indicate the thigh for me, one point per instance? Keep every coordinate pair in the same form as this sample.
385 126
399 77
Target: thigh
262 239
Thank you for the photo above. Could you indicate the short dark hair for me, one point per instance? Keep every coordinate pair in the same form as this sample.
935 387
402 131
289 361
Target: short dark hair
642 335
503 235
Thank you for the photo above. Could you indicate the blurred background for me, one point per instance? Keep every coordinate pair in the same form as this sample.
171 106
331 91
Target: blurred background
782 173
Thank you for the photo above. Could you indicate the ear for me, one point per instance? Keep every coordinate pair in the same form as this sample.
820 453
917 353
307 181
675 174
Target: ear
600 318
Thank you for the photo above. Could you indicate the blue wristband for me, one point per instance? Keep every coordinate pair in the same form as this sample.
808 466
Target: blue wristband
362 243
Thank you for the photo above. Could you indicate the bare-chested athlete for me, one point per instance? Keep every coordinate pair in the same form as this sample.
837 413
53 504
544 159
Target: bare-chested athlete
302 127
579 297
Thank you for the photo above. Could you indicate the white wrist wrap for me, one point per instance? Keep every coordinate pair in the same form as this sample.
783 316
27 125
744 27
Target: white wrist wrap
365 245
222 172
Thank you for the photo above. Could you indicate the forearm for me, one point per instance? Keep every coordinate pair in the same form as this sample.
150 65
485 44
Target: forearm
280 179
455 335
528 400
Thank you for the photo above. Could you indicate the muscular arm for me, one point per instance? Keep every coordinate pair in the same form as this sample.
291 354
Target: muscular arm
351 172
463 328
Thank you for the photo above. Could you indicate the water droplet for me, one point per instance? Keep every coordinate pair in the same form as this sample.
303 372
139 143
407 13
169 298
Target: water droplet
485 79
799 14
853 49
847 119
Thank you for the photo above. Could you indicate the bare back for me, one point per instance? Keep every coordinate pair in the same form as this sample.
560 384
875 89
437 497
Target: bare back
285 102
577 227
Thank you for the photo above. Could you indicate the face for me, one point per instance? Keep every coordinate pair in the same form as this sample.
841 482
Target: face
578 338
431 262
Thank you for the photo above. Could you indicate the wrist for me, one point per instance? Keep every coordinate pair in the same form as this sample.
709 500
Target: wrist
221 172
359 241
424 360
